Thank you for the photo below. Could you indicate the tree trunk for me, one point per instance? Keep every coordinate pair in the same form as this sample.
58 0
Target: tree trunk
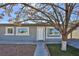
64 43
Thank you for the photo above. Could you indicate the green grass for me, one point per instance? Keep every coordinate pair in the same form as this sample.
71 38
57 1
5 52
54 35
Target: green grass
55 50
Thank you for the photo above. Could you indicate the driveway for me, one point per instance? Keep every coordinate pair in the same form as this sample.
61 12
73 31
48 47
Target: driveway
74 43
16 50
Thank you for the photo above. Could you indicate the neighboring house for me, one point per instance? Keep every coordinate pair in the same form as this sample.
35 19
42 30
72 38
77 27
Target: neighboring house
30 32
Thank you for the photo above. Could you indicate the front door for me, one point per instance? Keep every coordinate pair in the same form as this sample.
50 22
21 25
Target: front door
40 33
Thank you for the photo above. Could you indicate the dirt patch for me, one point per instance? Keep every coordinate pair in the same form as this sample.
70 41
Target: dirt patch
17 50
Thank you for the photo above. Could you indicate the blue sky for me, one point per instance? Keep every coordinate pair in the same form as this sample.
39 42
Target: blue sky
15 9
6 18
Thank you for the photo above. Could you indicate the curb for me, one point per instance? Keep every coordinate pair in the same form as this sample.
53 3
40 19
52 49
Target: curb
47 50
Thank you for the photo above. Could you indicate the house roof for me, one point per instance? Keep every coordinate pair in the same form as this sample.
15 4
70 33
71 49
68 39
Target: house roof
39 24
27 24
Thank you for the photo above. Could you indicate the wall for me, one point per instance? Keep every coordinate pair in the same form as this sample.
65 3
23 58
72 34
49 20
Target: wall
32 35
75 34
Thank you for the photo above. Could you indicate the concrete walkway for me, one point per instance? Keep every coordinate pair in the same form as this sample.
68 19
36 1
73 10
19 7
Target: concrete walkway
74 43
41 49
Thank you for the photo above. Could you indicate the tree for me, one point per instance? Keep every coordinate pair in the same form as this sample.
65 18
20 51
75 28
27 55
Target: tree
60 16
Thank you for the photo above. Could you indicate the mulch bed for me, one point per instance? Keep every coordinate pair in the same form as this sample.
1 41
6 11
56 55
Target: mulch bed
17 50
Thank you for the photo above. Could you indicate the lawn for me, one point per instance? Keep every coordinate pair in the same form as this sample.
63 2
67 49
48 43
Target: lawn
17 50
55 50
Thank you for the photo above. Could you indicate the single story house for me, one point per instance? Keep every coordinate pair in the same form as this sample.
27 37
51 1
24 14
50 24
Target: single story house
29 32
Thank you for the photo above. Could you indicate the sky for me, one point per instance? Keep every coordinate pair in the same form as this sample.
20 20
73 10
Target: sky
15 9
6 18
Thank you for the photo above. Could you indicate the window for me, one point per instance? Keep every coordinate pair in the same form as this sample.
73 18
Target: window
9 31
52 32
22 30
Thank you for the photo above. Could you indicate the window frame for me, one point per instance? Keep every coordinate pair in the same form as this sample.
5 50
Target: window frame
47 33
6 31
26 34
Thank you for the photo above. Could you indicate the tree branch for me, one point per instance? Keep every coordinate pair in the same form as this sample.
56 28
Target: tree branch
74 26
